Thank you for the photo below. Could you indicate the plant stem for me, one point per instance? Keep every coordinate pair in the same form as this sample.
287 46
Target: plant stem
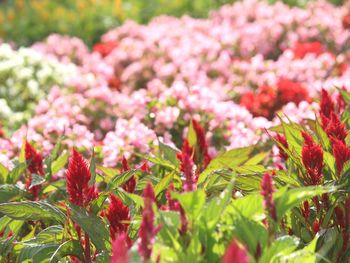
87 252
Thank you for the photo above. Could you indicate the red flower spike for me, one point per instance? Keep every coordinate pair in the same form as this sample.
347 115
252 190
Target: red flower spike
202 143
335 128
341 153
145 167
35 166
312 157
340 216
340 102
326 104
346 21
120 249
267 189
78 177
316 226
130 185
235 253
306 210
282 140
35 160
187 168
117 213
147 230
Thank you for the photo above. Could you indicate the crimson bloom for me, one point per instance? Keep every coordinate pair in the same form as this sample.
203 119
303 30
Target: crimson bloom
202 143
120 249
105 48
341 153
118 216
312 157
301 49
326 105
78 176
130 185
267 189
235 253
282 140
147 230
291 91
187 167
35 166
335 128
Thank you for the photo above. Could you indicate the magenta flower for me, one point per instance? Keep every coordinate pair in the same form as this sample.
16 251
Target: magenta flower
235 254
267 189
120 249
187 167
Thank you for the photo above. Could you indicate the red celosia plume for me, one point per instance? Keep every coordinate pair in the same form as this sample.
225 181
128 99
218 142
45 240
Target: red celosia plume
341 153
147 230
35 166
130 185
335 128
282 140
202 143
326 104
267 189
78 176
120 249
312 158
187 168
118 216
235 253
301 49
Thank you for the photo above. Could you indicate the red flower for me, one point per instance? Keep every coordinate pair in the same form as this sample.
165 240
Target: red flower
312 157
78 176
202 143
105 48
316 226
147 230
235 254
301 49
335 128
291 91
326 105
34 159
117 213
130 185
346 21
35 166
174 205
306 210
120 249
341 153
145 167
282 140
187 168
267 189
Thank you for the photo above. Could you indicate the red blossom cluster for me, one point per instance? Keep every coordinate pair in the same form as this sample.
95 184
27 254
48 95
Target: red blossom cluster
267 100
35 166
105 48
300 49
78 176
148 230
235 253
267 189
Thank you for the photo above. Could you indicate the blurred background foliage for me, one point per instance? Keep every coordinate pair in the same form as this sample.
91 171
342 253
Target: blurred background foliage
27 21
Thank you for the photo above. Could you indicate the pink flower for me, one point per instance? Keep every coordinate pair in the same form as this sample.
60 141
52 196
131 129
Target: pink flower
187 167
235 253
120 250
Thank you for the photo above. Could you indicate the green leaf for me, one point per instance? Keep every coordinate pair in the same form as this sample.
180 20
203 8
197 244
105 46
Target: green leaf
92 225
16 172
36 180
109 172
230 159
9 191
191 135
28 210
192 202
345 95
61 161
68 248
280 247
163 184
121 179
159 161
51 234
250 206
322 135
92 168
287 199
169 153
3 173
29 252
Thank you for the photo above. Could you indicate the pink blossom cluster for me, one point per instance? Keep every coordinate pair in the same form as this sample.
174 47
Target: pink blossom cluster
144 82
